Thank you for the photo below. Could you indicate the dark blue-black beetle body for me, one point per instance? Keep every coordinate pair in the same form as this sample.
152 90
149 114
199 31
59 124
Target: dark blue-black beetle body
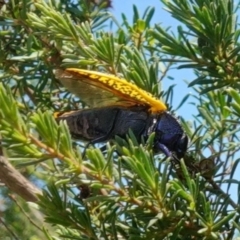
170 136
103 124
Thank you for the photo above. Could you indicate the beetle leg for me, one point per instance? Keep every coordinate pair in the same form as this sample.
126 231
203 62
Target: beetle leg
101 139
164 149
84 150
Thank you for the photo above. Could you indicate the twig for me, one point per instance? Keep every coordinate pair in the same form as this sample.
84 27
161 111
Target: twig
225 195
16 182
9 230
29 219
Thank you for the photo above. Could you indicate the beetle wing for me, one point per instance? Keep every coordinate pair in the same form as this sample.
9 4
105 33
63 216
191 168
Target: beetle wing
101 90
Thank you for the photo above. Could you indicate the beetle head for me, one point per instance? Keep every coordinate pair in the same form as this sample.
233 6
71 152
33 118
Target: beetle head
170 137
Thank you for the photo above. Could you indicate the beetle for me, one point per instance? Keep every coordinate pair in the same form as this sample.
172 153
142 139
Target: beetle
116 106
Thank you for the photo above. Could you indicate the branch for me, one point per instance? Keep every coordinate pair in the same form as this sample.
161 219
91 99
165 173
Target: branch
16 182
